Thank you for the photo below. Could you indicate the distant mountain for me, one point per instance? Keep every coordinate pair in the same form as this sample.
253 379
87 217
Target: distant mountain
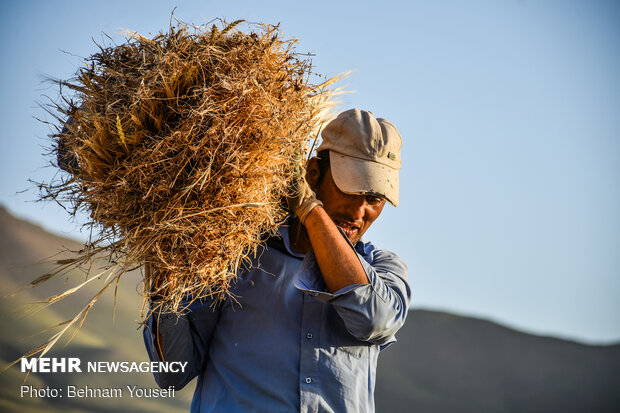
441 362
448 363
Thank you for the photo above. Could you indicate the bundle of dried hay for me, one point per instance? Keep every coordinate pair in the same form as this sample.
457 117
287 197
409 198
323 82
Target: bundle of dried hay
182 147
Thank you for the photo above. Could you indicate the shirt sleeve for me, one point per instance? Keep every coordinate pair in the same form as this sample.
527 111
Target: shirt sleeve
181 337
371 312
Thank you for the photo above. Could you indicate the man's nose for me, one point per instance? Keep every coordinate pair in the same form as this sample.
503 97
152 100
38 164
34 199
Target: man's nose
356 206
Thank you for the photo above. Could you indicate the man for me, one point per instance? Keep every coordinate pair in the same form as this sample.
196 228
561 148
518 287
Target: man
305 324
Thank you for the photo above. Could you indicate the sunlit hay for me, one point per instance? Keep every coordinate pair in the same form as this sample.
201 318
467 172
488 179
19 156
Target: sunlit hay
182 148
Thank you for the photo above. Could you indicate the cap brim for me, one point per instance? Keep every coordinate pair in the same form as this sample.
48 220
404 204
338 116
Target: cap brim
359 176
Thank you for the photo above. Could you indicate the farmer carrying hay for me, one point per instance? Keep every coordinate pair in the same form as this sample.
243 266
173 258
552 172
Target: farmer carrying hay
314 310
188 152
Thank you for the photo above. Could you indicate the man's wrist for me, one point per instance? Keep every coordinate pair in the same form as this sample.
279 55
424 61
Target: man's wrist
304 210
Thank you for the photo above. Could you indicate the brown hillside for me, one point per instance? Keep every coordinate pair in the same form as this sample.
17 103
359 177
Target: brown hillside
26 251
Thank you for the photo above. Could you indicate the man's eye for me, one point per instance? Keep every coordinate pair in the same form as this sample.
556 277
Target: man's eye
373 199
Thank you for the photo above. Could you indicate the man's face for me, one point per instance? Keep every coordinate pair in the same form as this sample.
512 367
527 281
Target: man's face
353 213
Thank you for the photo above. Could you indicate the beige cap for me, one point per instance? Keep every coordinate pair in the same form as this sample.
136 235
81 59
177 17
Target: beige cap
364 154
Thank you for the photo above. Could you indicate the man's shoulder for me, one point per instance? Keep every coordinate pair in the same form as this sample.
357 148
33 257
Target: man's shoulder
372 254
279 242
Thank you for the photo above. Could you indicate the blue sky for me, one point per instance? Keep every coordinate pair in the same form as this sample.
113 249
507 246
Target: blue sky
510 194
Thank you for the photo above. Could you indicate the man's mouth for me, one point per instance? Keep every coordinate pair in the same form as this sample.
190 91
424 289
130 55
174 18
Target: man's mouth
349 230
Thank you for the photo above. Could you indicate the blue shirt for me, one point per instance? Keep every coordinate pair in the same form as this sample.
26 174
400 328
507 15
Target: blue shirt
282 342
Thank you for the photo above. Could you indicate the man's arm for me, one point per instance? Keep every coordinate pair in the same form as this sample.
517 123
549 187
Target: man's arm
338 262
183 337
371 298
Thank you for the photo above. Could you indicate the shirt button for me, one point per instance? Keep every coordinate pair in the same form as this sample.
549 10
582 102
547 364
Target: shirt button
309 336
308 380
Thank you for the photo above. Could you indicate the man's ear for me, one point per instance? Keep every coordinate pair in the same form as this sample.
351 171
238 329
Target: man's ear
313 173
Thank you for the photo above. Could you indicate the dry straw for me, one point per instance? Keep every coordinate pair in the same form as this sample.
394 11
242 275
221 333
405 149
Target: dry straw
181 148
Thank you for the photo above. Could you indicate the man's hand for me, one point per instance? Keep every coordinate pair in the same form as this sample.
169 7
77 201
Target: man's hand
303 198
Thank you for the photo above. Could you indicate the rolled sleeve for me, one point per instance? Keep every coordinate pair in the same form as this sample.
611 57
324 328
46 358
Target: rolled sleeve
371 312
